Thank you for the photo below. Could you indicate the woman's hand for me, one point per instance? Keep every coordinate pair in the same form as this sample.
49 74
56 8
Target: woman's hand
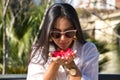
70 57
59 60
64 59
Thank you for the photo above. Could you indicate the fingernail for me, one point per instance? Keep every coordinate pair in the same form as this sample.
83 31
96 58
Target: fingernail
66 57
58 56
62 57
75 51
66 62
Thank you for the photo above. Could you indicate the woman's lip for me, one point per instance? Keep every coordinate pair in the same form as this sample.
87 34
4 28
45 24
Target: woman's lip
62 44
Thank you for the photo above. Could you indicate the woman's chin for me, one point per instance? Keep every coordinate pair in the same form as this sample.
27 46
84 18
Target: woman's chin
63 48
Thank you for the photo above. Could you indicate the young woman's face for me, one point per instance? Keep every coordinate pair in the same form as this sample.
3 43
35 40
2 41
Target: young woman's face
63 32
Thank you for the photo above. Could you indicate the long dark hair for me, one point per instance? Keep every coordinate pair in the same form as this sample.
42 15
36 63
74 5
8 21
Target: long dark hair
55 11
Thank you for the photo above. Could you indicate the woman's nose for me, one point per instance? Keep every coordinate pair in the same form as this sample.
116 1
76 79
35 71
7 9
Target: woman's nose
62 37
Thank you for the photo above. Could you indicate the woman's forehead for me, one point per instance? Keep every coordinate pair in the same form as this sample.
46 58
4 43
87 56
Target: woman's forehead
63 22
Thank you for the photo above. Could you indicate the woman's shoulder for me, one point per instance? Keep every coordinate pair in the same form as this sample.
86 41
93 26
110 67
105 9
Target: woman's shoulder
86 45
89 45
90 48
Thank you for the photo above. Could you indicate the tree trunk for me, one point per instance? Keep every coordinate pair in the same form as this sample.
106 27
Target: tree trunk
6 3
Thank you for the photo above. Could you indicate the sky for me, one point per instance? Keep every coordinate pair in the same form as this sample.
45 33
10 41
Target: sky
74 2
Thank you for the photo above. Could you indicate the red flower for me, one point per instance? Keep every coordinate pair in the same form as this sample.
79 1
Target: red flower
62 53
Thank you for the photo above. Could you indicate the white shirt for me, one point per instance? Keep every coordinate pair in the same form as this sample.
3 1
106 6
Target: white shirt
86 61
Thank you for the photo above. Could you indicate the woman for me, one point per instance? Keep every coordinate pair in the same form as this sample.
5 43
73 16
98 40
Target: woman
61 30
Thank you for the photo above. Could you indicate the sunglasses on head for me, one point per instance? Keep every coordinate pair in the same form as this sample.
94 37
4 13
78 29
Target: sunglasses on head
68 34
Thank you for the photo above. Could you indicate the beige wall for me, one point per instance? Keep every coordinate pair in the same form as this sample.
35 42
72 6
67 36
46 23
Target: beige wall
103 28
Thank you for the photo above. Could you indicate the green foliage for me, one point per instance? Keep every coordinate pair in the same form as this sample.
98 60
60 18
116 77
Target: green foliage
1 38
21 36
1 35
1 11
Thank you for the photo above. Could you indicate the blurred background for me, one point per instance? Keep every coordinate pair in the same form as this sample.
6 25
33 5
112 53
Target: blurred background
21 20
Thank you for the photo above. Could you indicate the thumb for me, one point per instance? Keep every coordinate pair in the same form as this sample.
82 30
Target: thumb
50 54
